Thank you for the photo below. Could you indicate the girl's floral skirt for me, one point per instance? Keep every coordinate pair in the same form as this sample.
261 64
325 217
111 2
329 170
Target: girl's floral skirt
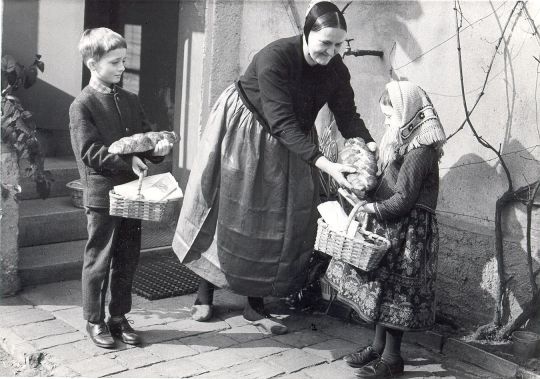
400 293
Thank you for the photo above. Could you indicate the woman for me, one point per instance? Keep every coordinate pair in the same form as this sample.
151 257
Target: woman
248 222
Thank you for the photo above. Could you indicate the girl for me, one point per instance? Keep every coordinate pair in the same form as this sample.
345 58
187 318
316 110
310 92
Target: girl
248 221
399 295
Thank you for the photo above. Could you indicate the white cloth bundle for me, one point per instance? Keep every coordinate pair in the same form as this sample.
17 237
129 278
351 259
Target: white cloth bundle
336 218
158 187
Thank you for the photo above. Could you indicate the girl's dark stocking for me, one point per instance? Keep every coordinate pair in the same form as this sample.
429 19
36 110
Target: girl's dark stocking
392 350
380 339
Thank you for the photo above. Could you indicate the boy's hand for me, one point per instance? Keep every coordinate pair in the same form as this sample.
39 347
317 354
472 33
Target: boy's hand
138 166
163 147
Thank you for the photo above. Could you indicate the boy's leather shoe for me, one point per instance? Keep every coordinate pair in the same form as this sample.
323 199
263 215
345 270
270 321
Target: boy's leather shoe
124 331
100 335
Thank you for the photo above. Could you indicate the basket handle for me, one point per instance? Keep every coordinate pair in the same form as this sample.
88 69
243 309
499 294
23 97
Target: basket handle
141 177
353 213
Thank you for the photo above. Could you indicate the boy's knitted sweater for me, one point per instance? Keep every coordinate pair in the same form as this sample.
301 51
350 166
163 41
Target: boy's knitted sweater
412 182
96 120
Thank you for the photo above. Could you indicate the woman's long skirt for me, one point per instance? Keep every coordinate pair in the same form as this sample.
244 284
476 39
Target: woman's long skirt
248 221
400 292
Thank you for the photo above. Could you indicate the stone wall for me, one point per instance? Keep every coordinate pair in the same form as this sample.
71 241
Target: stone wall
9 228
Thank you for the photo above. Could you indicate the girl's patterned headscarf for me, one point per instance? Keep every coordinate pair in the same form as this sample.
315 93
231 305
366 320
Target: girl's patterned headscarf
415 124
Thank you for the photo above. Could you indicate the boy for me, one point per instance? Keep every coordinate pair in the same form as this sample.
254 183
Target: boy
99 116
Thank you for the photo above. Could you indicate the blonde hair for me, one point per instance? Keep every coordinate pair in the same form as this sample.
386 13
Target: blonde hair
97 42
389 145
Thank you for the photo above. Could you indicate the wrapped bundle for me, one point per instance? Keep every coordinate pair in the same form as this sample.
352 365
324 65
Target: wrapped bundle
355 153
140 142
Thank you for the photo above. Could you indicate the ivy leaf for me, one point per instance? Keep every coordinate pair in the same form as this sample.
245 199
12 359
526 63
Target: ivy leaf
41 66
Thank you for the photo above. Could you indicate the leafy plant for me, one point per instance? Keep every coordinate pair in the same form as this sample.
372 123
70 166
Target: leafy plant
18 128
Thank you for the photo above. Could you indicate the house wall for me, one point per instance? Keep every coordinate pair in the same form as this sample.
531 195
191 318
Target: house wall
419 44
51 28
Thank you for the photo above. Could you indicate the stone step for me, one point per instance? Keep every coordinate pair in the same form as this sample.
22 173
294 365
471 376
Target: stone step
64 170
61 261
49 221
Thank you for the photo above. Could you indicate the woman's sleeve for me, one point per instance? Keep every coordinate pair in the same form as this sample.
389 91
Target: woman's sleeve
343 107
89 143
413 171
278 108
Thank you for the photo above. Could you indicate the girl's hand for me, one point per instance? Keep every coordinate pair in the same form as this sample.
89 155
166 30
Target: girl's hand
336 171
138 166
163 147
367 208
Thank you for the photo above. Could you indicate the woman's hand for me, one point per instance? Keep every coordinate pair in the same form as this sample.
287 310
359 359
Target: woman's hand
138 166
335 170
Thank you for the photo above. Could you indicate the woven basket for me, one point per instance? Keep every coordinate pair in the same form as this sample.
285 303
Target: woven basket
364 251
76 192
141 209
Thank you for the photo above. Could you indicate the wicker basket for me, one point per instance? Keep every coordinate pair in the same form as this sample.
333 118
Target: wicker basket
76 192
141 209
364 252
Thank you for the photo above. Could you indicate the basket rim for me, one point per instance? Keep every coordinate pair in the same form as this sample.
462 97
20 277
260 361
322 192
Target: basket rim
384 240
113 194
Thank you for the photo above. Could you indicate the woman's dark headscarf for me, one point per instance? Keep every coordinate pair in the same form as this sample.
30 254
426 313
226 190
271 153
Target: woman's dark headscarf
320 9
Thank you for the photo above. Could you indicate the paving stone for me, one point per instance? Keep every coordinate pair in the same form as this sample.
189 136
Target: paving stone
180 303
338 369
160 333
332 350
233 319
177 368
427 339
248 370
244 334
147 317
353 333
259 348
218 359
135 358
97 366
208 342
42 329
66 353
295 375
55 296
171 349
13 304
294 360
299 321
302 338
72 316
59 339
190 326
24 316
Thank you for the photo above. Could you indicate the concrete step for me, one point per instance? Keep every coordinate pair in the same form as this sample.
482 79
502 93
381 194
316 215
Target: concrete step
63 170
60 261
49 221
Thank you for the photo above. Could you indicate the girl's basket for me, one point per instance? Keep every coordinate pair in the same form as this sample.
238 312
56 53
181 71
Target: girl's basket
140 208
364 251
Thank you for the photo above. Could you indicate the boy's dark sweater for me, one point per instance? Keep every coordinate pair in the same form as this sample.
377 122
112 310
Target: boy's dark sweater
96 120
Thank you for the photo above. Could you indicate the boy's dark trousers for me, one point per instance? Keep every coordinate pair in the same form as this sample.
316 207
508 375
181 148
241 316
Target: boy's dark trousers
113 246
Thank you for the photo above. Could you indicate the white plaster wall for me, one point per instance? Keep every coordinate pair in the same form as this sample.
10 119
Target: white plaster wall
60 26
418 39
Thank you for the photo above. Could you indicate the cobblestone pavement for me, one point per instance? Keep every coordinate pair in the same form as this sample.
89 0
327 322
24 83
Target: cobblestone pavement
43 326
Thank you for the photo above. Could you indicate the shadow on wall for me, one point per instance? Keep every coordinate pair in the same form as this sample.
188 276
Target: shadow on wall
467 267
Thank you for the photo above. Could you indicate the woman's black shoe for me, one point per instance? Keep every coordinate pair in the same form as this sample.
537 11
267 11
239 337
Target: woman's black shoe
124 331
380 369
362 357
100 335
